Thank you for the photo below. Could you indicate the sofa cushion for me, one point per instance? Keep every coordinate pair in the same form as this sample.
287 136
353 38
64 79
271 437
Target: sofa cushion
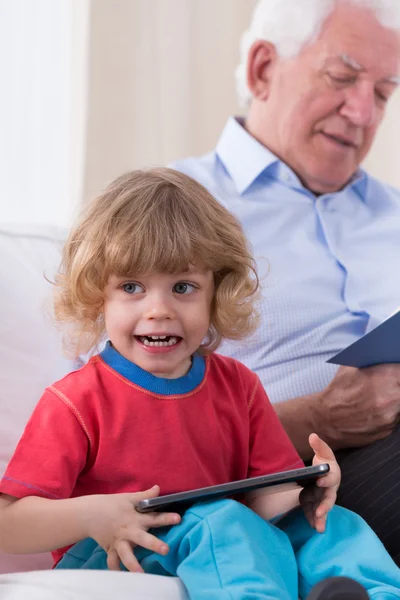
90 585
30 346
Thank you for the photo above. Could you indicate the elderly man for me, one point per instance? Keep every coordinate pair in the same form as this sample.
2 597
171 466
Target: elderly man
316 76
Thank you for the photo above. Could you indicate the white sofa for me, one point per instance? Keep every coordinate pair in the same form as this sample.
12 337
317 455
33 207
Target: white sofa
31 358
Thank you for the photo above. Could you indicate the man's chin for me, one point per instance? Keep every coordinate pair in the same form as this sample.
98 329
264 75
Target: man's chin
328 182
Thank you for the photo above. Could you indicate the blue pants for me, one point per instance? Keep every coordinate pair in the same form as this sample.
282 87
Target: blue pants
224 551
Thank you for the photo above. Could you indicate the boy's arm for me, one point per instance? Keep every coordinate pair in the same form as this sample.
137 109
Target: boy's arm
268 505
317 500
38 524
37 513
34 524
271 451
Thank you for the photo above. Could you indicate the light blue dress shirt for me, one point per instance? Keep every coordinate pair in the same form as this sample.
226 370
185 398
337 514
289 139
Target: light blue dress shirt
330 265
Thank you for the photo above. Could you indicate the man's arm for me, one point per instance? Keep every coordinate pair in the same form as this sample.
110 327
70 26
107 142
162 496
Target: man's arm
359 406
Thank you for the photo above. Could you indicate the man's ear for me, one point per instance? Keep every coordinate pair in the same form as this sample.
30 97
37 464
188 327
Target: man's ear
261 60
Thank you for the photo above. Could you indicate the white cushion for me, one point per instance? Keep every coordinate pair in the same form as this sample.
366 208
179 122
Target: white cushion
90 585
30 347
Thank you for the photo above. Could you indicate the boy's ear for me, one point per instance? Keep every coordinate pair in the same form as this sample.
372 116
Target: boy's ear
261 60
100 313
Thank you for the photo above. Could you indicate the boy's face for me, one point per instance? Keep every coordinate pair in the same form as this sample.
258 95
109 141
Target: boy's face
158 321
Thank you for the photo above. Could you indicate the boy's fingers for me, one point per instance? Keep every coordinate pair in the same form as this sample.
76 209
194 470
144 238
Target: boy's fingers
327 480
161 519
150 493
127 557
320 524
113 560
321 449
326 505
312 494
321 510
149 541
309 513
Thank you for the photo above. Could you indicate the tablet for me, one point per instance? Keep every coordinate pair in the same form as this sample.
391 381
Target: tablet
277 482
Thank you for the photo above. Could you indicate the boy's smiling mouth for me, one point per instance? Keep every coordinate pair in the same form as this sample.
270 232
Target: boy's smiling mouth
159 341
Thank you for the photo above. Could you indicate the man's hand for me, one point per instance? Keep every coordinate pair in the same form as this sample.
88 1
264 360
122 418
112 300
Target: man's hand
317 500
117 527
359 406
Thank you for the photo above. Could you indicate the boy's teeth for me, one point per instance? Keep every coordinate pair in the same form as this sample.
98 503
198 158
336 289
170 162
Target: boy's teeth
159 341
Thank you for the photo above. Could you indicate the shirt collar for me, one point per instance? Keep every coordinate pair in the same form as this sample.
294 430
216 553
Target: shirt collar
156 385
242 155
245 159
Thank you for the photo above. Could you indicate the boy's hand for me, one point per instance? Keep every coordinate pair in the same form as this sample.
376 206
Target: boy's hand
317 500
117 527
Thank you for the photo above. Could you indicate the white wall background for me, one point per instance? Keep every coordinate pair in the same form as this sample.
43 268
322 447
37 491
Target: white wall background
90 88
384 159
161 80
43 47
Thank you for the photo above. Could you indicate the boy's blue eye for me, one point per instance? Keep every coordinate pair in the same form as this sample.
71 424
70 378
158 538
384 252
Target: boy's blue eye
132 288
183 288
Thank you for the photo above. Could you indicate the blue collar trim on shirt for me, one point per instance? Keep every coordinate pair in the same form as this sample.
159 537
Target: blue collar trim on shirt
245 159
157 385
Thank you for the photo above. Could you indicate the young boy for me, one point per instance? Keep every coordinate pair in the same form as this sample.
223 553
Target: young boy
162 270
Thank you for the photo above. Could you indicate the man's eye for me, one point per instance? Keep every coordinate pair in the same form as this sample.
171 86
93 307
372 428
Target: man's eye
342 79
132 288
183 288
381 96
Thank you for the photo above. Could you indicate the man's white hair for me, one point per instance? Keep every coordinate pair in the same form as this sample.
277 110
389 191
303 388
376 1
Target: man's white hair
290 24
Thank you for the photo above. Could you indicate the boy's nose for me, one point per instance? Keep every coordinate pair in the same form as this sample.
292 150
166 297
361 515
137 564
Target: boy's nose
159 308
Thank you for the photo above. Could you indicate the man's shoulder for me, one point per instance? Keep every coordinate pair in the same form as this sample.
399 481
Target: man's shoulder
203 169
195 166
379 189
207 170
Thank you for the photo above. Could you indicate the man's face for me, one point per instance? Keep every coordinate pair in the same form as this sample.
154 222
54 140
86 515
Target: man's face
325 105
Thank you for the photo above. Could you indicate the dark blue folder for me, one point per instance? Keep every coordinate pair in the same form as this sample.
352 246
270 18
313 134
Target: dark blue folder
381 345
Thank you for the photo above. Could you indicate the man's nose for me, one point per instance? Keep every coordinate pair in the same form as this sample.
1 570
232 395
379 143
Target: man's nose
360 106
159 307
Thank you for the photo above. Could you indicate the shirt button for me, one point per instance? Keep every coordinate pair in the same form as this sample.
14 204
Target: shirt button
330 204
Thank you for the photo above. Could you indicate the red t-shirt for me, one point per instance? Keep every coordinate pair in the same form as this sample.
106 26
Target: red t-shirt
97 432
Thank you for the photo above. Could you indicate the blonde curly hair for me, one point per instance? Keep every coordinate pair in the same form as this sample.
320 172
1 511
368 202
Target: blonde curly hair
150 221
